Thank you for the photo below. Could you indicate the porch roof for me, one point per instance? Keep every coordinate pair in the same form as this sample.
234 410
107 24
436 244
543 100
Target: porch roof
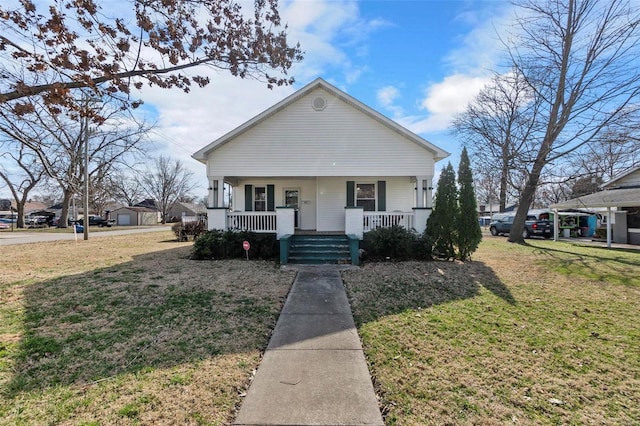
623 197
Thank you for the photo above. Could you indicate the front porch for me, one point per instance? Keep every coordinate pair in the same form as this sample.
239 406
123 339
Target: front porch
282 223
319 203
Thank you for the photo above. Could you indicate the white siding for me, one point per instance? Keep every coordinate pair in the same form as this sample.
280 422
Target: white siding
632 179
400 194
337 141
332 198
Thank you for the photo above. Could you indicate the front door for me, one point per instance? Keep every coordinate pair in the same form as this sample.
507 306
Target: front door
292 199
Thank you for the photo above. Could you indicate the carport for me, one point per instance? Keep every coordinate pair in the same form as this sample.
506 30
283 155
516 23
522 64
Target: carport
611 198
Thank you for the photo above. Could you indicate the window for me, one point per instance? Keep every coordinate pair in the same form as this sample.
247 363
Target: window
260 199
366 196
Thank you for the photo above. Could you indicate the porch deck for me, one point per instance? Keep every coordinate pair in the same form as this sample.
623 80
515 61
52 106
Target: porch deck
315 232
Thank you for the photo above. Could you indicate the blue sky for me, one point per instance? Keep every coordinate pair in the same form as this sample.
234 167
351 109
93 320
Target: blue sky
418 62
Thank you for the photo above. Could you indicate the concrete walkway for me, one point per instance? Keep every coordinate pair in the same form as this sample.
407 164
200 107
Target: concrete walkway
313 371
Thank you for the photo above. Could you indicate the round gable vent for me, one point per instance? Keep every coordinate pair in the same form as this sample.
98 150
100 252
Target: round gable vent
319 103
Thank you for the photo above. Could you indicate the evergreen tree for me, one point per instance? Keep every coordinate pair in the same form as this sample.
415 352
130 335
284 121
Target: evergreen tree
441 225
467 226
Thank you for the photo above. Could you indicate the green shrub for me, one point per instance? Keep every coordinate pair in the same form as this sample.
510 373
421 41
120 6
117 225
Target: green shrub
218 244
395 244
190 229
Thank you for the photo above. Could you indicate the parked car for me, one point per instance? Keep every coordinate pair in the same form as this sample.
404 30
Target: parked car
4 225
501 225
36 221
97 221
56 221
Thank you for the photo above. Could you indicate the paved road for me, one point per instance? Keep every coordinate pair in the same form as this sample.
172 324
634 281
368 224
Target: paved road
18 237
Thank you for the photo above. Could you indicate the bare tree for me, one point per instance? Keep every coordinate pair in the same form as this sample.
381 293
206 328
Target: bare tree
48 192
50 48
553 192
486 187
495 127
124 187
21 181
580 59
166 183
614 151
66 144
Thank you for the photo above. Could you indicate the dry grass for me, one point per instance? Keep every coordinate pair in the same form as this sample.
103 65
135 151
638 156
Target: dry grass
128 330
541 334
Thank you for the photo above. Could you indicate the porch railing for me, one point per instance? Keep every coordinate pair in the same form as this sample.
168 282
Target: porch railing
252 221
187 219
373 220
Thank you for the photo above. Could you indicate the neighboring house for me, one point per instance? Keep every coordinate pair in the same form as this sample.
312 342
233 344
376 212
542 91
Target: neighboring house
321 161
109 207
135 216
30 207
179 210
621 197
149 203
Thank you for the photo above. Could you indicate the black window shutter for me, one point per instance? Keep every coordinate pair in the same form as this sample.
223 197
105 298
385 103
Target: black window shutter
382 196
248 198
271 203
351 193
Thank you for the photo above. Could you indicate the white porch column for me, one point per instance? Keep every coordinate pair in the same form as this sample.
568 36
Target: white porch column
556 224
285 221
423 191
428 202
620 231
608 227
216 192
354 221
419 202
420 217
217 218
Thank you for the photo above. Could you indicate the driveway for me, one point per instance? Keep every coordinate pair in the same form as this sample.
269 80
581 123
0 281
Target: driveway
19 237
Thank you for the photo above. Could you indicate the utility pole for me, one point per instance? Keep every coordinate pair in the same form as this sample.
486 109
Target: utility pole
86 179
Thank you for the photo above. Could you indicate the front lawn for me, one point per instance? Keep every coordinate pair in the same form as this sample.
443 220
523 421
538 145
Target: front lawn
545 333
127 330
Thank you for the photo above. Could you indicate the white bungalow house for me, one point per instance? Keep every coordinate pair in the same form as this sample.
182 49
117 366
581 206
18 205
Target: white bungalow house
321 161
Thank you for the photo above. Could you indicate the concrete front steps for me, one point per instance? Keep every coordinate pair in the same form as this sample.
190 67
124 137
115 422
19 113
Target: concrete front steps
319 249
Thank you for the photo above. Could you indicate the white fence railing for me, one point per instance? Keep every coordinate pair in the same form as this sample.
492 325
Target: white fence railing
252 221
187 219
373 220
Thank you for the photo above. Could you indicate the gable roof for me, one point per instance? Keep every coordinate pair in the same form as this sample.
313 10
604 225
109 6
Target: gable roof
30 206
192 207
135 209
610 183
202 154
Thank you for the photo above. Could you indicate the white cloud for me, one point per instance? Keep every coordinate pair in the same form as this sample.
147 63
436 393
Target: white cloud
326 29
471 63
387 97
188 122
452 94
481 49
443 100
